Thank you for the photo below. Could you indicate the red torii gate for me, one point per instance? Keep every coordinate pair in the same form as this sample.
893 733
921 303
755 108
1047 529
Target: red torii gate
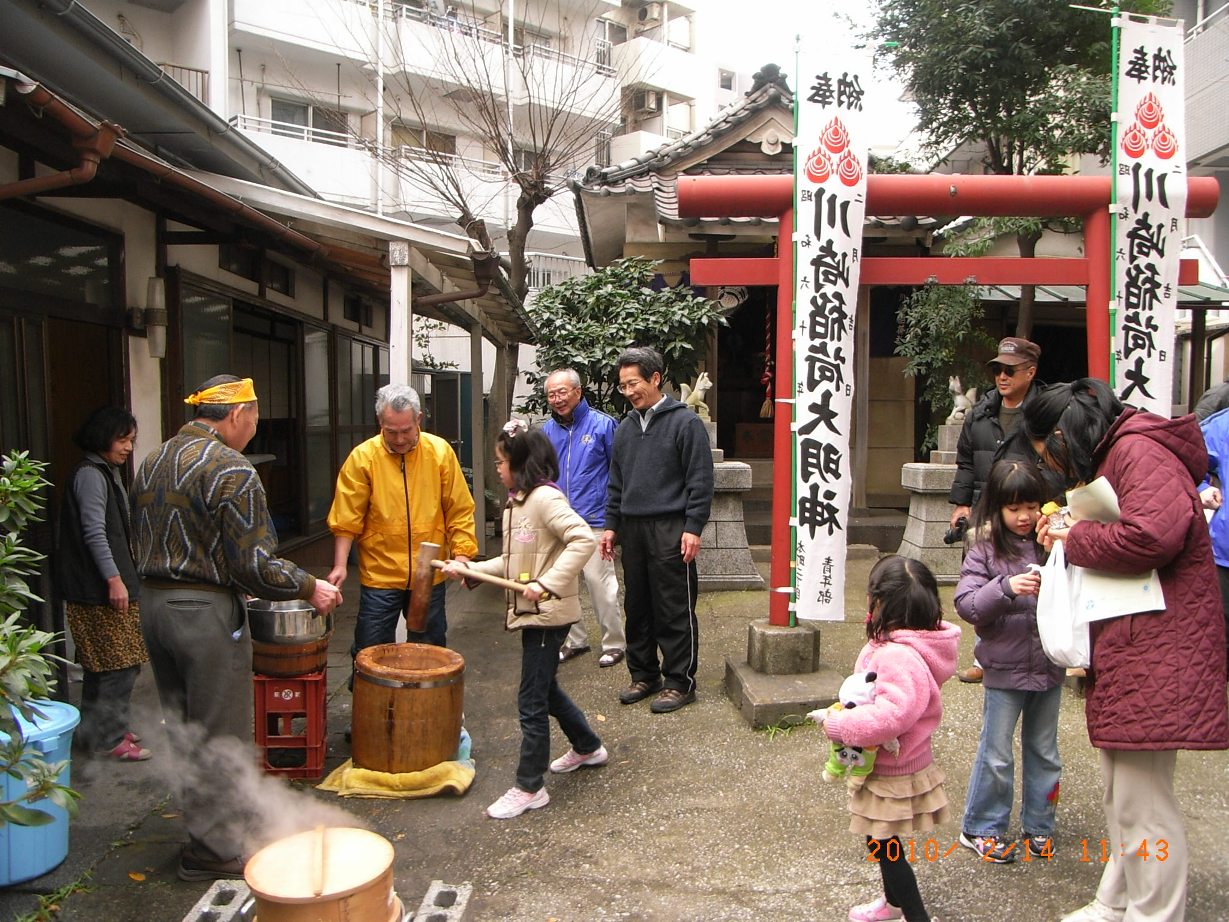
1084 197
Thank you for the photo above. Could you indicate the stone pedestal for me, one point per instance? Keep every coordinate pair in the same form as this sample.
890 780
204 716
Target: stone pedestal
930 513
725 559
782 678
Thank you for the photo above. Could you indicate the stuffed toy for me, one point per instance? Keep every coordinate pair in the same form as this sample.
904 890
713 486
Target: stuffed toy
851 762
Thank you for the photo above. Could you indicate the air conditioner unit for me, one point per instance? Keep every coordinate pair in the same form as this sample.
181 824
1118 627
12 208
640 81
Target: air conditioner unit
646 101
650 12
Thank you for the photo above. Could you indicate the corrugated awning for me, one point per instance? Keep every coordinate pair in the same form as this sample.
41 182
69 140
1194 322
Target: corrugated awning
1202 296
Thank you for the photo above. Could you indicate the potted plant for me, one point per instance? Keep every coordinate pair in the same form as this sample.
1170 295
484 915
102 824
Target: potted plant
26 663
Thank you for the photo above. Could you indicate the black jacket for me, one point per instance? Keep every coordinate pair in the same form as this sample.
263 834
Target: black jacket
982 443
77 574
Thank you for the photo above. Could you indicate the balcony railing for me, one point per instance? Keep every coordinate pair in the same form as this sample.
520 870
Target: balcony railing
487 169
192 79
1209 20
550 268
545 52
464 25
302 132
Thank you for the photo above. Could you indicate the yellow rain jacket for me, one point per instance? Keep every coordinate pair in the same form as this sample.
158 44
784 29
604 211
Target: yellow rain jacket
389 504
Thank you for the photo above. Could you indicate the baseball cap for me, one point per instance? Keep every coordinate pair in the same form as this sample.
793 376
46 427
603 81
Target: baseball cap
1016 351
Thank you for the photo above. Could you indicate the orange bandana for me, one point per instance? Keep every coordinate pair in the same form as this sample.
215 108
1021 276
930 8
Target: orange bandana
231 392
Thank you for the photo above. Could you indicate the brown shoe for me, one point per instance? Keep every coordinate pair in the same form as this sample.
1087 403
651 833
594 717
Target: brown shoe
638 691
671 700
971 675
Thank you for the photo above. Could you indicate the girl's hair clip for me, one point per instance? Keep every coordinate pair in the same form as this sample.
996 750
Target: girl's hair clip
513 427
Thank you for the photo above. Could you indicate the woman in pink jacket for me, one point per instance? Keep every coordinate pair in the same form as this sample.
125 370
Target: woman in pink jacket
912 652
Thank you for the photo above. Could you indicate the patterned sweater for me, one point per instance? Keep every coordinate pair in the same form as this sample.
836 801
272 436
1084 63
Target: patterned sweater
199 516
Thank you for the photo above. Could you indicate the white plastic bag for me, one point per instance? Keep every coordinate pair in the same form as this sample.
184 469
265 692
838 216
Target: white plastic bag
1064 636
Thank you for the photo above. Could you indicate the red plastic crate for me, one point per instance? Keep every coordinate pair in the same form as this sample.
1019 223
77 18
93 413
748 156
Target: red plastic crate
291 723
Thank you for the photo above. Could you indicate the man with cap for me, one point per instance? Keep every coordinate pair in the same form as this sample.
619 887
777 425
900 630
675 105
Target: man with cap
202 540
987 429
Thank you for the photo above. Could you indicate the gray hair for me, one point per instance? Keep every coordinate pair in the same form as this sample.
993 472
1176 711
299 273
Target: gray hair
398 398
569 373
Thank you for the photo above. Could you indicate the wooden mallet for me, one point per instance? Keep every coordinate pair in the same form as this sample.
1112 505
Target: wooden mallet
420 594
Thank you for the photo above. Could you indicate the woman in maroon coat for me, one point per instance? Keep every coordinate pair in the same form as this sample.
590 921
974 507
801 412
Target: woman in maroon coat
1157 680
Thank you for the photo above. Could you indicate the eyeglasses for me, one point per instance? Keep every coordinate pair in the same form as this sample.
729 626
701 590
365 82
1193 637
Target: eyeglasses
559 393
1009 370
625 386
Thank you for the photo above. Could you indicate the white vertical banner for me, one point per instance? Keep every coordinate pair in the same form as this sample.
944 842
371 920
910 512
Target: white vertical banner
1149 210
830 165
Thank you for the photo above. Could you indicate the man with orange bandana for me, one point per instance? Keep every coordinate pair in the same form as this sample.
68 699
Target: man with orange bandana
396 490
202 539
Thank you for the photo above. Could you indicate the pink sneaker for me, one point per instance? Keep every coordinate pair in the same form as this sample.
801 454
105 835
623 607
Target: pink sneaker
879 910
572 760
515 802
128 751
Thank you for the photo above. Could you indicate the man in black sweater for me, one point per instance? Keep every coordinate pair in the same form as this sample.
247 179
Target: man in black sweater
657 503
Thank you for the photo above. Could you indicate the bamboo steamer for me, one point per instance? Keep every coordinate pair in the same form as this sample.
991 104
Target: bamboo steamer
280 659
334 874
407 706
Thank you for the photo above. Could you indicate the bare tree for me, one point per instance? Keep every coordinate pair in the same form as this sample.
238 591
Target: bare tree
536 102
531 101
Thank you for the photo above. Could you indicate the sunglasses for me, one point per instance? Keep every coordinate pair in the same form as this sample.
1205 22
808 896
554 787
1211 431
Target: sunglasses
1009 370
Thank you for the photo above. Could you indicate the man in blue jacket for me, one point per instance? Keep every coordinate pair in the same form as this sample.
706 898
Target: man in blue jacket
657 504
583 438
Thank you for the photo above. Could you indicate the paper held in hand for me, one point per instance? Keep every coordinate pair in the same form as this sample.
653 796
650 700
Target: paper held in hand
1103 594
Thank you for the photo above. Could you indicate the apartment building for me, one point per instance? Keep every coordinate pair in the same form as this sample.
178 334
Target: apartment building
428 111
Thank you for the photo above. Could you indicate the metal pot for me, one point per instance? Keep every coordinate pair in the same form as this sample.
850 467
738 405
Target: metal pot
292 622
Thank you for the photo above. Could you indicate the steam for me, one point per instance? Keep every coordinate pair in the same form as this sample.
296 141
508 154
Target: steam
224 794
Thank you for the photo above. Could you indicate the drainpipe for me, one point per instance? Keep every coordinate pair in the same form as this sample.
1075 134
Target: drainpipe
93 145
84 134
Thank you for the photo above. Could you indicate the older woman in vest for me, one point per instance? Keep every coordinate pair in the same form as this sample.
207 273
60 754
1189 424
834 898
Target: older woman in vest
99 584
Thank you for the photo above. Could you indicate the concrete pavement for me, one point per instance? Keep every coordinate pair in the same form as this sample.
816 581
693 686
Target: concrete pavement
696 816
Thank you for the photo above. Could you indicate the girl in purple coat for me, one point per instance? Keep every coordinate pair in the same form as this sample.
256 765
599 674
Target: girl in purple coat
997 594
912 652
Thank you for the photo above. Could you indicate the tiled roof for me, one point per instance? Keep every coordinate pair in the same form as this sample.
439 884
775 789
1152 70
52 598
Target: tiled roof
768 90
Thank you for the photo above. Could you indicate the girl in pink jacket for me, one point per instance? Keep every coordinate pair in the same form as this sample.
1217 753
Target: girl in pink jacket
912 652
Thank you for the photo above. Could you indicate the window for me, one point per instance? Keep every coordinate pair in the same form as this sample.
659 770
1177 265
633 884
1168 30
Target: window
290 362
279 278
50 255
613 32
358 309
423 139
242 261
522 37
725 79
528 161
252 264
362 369
309 122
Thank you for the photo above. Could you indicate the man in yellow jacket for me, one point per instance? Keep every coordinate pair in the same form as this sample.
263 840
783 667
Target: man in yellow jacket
396 490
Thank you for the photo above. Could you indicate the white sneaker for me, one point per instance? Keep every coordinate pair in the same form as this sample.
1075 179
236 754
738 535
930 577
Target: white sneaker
1096 911
572 760
515 802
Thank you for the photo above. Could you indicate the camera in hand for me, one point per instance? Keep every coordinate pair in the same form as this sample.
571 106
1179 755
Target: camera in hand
955 534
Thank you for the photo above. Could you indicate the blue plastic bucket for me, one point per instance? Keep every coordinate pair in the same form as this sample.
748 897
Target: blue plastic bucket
31 851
